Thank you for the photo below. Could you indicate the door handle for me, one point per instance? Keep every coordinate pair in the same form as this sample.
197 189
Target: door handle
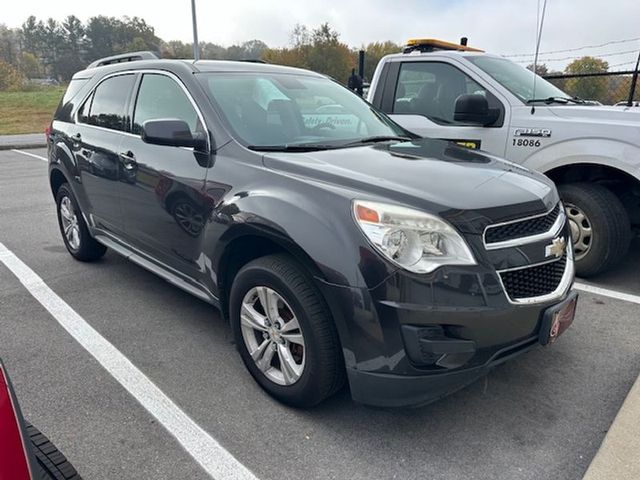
128 160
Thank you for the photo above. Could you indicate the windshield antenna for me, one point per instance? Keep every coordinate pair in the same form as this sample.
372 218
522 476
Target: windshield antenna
539 24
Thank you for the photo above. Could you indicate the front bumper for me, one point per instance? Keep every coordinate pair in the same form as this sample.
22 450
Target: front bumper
389 390
414 338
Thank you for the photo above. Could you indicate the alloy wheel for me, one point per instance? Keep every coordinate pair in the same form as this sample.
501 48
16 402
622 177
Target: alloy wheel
70 226
272 335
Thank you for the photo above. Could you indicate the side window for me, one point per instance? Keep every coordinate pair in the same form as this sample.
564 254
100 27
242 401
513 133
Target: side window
431 89
109 104
161 97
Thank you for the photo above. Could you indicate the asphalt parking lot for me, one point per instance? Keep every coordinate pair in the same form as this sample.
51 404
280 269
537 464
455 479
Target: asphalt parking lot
541 416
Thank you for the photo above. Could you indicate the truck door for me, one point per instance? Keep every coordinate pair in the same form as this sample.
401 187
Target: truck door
421 96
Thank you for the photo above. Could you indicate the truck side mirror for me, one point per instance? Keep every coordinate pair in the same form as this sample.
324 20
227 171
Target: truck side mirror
474 109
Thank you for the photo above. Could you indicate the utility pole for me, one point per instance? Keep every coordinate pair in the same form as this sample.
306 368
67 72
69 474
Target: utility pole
196 46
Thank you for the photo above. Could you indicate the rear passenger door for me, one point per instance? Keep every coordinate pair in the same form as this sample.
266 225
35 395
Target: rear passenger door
95 142
422 99
161 191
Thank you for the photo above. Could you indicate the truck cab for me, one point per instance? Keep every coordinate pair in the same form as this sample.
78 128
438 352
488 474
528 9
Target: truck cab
484 101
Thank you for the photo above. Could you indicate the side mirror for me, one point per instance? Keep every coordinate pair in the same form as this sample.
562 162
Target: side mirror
172 133
474 109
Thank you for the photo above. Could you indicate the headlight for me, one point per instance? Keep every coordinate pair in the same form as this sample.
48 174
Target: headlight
414 240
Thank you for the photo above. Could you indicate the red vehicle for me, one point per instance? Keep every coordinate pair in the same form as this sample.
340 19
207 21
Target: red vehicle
25 453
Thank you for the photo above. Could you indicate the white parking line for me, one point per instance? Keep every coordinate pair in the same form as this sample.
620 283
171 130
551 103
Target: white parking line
213 458
39 157
605 292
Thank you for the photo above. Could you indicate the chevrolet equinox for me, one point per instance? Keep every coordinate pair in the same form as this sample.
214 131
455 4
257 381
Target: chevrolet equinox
340 247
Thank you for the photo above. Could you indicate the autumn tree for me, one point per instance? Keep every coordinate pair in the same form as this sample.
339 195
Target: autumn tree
541 69
589 88
10 77
319 50
373 53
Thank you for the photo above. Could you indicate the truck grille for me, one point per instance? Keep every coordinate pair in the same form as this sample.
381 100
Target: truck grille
534 281
521 228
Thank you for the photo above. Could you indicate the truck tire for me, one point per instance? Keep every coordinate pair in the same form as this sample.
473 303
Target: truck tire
600 227
51 461
290 346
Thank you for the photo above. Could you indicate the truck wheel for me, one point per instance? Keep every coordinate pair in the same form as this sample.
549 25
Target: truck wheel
75 234
285 333
53 463
600 226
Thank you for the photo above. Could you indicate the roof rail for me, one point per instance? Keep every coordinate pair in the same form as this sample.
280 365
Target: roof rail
124 57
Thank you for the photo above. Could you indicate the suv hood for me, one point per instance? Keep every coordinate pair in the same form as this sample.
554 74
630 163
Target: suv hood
469 188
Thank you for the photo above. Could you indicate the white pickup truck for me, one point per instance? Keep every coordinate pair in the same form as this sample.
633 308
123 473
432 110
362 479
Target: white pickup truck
450 91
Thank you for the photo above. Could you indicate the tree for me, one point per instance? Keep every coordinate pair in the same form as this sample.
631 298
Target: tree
9 45
320 50
592 88
74 45
10 77
30 66
52 47
373 52
541 69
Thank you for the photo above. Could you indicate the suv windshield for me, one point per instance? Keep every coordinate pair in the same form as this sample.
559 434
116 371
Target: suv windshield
289 112
517 79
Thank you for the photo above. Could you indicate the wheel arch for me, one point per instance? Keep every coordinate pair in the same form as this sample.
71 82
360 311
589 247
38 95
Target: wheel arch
624 185
248 244
56 179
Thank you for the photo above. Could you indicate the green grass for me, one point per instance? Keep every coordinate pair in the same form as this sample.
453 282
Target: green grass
29 111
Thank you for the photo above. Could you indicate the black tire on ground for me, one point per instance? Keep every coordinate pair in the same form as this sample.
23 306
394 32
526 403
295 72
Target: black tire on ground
89 249
610 225
324 372
53 463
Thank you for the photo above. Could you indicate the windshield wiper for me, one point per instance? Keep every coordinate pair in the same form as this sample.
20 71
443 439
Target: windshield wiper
562 100
377 138
305 147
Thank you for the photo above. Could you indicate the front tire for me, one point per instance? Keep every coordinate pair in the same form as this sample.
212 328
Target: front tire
75 234
600 227
285 333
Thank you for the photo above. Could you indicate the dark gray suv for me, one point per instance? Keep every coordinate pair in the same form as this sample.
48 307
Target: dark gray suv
337 244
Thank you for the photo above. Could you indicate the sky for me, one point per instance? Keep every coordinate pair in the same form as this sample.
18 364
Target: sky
505 27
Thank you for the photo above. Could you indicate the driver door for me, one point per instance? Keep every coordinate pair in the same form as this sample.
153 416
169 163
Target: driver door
424 103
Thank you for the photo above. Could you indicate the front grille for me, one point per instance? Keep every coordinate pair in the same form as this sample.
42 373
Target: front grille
523 228
534 281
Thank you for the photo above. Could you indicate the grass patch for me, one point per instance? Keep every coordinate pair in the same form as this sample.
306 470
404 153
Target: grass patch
29 111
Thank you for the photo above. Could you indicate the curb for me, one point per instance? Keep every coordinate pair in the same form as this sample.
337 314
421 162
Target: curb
618 457
19 146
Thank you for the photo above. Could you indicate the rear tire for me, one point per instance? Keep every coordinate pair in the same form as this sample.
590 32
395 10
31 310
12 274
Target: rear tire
319 371
75 234
600 227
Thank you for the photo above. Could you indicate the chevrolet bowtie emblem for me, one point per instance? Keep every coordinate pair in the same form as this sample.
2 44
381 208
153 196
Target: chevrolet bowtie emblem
557 248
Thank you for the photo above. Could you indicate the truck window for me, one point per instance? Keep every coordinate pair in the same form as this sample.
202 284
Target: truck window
431 89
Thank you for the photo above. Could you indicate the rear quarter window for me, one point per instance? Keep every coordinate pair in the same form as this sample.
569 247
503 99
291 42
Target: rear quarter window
66 105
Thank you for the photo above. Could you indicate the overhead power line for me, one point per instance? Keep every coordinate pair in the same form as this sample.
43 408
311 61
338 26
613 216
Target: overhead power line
613 42
597 55
621 64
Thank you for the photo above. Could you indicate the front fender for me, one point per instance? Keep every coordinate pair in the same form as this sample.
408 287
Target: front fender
319 228
617 154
